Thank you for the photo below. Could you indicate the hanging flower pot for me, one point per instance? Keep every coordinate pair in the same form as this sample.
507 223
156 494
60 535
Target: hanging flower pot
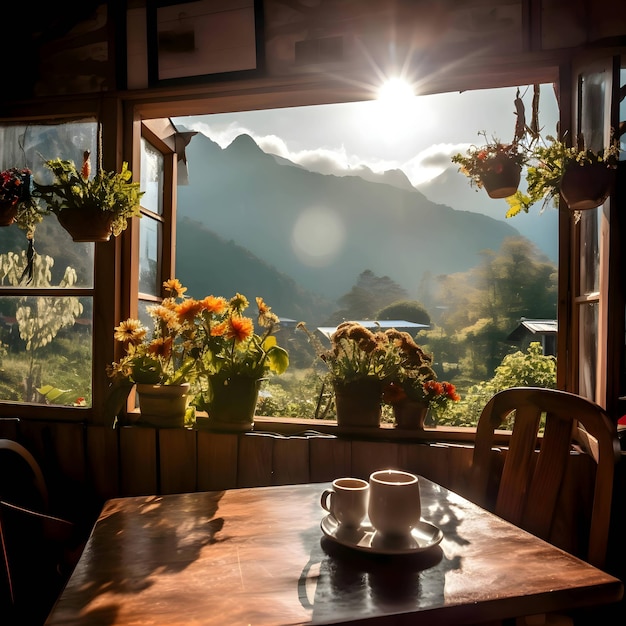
8 211
90 209
494 166
358 402
502 179
586 186
87 223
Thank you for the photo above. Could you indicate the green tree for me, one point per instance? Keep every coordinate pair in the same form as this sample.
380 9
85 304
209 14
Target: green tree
39 318
408 310
486 302
368 295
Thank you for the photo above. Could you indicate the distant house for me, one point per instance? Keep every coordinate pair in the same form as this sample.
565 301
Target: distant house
528 331
401 325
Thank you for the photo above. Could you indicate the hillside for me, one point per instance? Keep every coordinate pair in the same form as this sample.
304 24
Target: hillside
319 231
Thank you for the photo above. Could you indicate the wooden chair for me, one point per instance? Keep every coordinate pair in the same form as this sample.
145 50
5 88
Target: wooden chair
533 477
37 550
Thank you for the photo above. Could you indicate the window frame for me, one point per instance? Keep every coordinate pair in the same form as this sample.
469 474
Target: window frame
126 115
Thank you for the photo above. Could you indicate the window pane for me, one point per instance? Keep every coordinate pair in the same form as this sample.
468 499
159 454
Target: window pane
45 350
27 147
592 109
149 257
590 252
151 178
588 343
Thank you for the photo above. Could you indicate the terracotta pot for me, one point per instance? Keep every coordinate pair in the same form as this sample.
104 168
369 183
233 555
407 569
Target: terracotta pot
410 414
359 402
232 403
8 211
503 180
587 186
163 406
87 223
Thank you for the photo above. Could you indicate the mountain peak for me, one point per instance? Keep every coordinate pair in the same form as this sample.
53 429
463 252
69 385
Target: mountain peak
244 144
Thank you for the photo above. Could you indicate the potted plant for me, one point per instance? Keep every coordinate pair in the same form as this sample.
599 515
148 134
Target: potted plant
161 362
90 209
17 205
359 363
235 360
494 166
582 176
415 388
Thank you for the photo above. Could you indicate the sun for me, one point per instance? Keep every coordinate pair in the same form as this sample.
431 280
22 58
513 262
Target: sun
395 109
396 92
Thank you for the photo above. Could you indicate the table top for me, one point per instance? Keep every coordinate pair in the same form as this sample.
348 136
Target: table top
258 557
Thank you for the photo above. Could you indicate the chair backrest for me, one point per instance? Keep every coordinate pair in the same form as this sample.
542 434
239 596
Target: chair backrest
534 472
21 479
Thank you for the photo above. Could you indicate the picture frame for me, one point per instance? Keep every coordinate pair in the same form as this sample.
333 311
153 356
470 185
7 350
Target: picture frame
192 41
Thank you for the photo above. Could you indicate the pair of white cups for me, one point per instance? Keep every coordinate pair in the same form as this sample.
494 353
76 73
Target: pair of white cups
391 500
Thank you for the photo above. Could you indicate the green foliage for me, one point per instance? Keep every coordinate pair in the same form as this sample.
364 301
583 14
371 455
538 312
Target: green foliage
409 310
108 191
547 165
520 369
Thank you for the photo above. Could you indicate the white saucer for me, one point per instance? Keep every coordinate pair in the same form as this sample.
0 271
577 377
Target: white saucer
365 538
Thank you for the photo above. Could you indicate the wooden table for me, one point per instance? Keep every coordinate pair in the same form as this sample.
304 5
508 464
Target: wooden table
258 557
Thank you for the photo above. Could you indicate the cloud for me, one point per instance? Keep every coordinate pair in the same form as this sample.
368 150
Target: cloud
431 162
425 166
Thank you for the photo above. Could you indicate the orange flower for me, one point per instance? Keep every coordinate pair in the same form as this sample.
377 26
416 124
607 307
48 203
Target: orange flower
240 328
188 309
85 170
161 347
214 304
219 330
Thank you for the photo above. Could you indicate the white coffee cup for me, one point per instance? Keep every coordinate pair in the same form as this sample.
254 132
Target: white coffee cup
394 503
347 501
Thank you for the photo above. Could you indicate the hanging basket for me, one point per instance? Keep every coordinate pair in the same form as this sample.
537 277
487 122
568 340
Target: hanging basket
8 211
503 179
586 186
87 223
358 402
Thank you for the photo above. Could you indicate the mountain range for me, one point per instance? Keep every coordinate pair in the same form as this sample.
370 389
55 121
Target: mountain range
261 225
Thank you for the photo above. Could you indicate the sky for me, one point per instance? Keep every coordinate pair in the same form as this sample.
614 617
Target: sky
417 135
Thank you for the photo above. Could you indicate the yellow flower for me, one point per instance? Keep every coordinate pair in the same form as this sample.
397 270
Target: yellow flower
174 288
130 331
238 303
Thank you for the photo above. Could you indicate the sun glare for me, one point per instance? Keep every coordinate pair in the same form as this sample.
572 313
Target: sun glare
395 91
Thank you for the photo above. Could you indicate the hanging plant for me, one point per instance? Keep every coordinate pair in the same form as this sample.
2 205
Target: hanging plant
90 209
17 205
582 176
497 166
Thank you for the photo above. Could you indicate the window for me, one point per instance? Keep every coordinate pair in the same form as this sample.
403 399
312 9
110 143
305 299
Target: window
335 212
46 313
